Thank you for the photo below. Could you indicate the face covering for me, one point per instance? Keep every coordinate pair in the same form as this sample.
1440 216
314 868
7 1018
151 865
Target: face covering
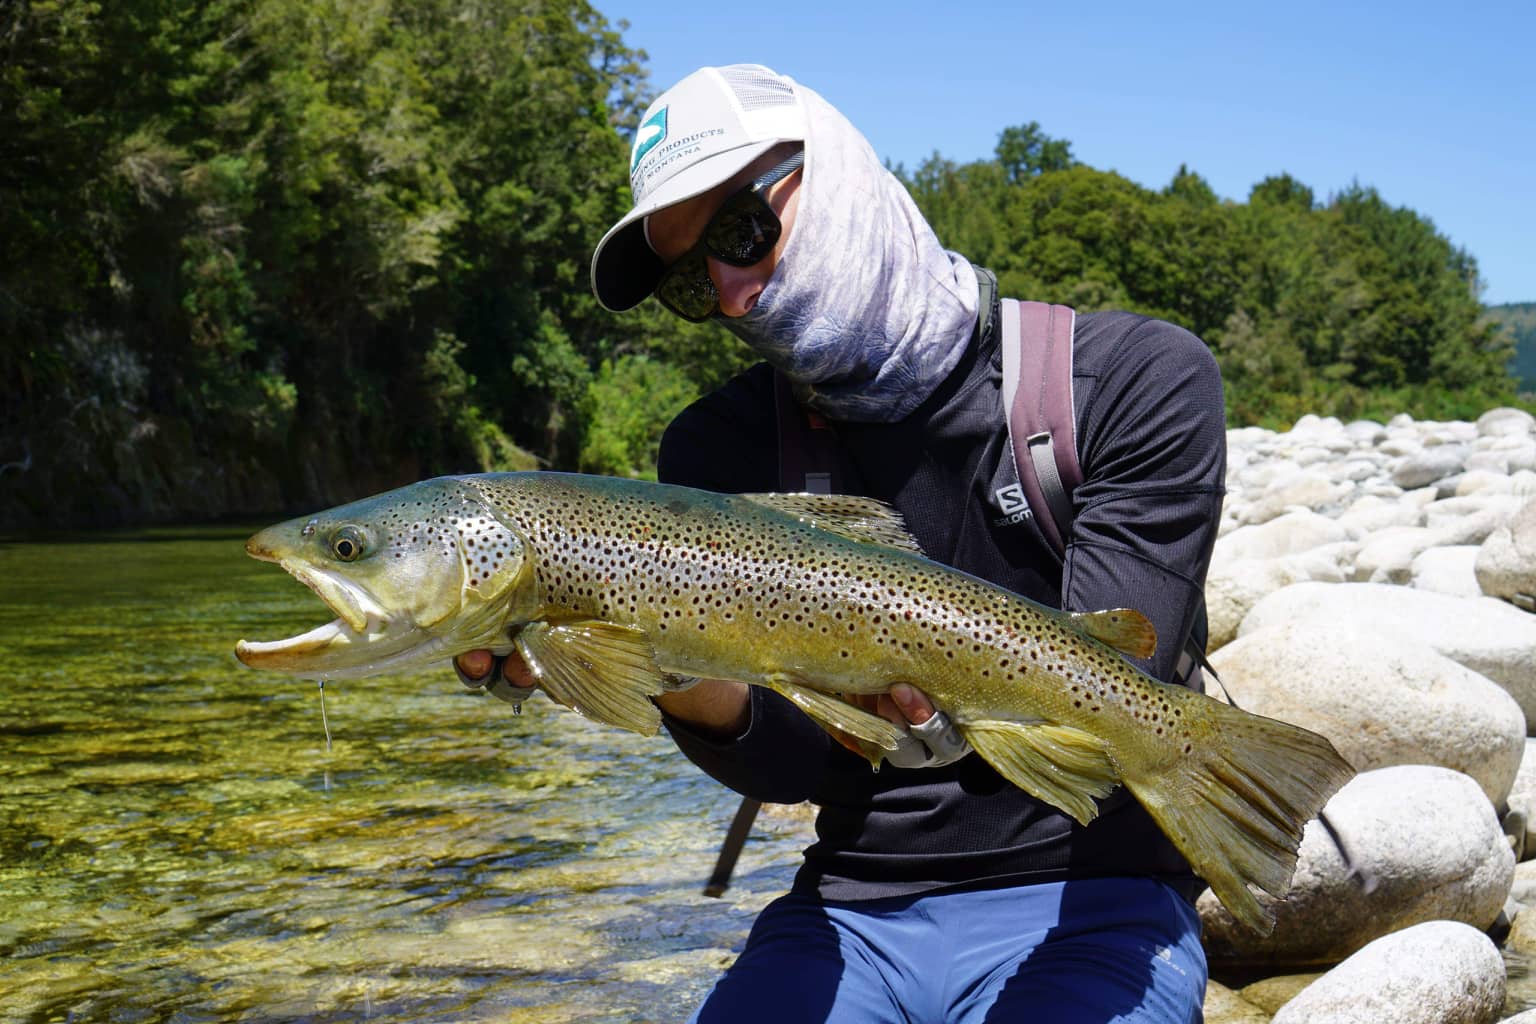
865 312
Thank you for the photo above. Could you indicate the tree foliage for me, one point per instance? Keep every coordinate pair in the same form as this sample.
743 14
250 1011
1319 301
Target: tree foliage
1310 307
270 252
1517 320
266 254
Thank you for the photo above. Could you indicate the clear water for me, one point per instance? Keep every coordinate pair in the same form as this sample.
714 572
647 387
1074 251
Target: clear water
176 843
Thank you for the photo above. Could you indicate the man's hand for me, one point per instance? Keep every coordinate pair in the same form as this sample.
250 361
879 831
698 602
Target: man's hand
713 705
507 677
931 740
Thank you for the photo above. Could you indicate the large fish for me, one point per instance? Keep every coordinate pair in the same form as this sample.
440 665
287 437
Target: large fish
611 589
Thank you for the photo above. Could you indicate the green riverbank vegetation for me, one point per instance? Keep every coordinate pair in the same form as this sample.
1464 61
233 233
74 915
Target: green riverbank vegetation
259 255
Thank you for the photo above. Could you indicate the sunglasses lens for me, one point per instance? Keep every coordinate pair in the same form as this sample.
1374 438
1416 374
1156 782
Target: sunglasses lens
743 231
686 289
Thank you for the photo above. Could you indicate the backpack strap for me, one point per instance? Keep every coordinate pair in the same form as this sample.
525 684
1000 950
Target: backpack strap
1037 399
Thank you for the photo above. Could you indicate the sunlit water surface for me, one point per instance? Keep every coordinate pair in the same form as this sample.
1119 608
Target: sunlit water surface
177 844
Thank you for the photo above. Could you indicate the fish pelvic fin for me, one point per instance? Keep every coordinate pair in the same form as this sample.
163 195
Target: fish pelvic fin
876 735
1063 766
1125 629
602 671
1237 801
865 520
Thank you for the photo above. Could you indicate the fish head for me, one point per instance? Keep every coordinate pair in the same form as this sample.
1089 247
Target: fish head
413 575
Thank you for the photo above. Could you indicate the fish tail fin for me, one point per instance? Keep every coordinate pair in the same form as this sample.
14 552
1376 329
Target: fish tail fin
1237 801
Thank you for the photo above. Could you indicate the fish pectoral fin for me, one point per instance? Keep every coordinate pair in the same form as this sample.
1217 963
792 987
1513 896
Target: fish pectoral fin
1125 629
601 670
865 520
835 713
1063 766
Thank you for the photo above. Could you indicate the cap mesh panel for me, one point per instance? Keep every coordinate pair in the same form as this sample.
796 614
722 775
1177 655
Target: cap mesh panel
756 88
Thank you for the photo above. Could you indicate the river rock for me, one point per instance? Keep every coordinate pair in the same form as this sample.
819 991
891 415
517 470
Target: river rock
1234 585
1426 835
1506 562
1522 795
1273 992
1388 556
1439 972
1382 701
1486 635
1522 932
1505 422
1471 518
1429 466
1223 1006
1289 534
1370 513
1365 433
1312 490
1447 570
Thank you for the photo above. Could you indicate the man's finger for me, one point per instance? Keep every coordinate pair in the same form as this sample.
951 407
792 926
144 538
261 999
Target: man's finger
472 668
912 703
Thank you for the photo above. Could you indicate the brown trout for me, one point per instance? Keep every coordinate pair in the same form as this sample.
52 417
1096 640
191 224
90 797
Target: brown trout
611 589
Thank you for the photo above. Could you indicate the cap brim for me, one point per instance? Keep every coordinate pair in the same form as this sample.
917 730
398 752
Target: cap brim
624 268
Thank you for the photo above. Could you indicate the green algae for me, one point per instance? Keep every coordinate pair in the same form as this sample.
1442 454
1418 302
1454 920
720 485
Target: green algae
177 844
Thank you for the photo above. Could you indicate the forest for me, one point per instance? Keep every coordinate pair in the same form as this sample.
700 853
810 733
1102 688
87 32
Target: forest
268 255
1519 320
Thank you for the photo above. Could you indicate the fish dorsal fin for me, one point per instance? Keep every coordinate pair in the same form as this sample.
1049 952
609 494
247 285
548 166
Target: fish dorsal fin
604 671
1125 629
865 520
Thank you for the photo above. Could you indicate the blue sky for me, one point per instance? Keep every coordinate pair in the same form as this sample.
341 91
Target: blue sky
1436 110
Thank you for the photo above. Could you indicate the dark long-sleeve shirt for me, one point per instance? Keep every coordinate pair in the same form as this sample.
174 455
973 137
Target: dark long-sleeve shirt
1152 444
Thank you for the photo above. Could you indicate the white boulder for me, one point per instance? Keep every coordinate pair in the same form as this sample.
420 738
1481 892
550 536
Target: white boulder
1382 701
1486 635
1439 972
1506 563
1506 422
1426 837
1447 570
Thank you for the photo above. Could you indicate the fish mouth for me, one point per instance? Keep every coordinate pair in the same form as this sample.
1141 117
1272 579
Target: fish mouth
362 637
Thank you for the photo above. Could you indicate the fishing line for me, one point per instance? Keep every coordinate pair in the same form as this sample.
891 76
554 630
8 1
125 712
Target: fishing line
324 722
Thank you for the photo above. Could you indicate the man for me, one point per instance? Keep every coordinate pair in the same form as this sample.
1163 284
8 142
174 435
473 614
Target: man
933 893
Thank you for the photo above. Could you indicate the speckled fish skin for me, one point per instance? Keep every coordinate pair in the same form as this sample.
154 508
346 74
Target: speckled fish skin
610 589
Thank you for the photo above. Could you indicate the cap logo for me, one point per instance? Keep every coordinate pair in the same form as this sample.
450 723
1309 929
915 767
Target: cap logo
651 132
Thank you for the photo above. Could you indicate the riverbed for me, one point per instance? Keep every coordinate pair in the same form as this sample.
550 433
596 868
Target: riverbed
179 843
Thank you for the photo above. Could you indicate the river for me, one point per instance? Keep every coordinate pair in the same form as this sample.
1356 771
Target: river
178 844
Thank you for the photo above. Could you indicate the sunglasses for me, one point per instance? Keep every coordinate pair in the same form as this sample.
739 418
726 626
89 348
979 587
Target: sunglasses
743 231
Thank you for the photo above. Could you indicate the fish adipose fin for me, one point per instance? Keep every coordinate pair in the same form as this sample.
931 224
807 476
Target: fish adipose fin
1125 629
859 519
603 671
835 713
1063 766
1237 802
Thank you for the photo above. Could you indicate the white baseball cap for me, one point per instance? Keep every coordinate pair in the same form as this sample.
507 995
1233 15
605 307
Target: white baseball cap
694 136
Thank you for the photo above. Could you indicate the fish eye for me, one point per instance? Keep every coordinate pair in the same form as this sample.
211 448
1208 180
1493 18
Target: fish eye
348 544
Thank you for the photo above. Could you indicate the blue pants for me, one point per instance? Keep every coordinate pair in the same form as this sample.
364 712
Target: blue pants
1081 952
